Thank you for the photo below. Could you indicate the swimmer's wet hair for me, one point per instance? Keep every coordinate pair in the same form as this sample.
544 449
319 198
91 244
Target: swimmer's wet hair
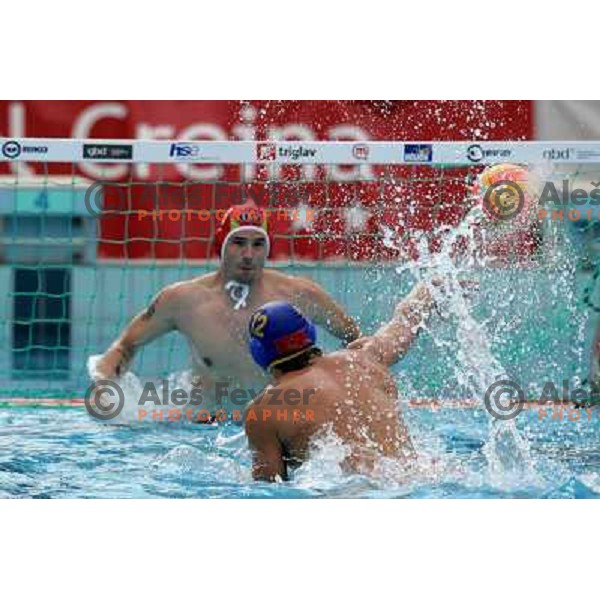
298 361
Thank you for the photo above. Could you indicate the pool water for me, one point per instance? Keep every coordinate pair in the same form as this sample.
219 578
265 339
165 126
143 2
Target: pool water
529 325
64 453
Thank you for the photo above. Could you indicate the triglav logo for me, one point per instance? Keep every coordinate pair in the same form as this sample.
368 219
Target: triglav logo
12 149
295 151
291 151
266 152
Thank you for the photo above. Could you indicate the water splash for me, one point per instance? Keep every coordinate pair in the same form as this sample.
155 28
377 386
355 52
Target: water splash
133 390
506 450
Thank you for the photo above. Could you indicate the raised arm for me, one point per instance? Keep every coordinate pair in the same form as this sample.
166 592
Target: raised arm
156 320
319 306
394 338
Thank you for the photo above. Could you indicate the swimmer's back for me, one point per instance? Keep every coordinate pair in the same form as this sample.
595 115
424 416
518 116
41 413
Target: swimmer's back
353 394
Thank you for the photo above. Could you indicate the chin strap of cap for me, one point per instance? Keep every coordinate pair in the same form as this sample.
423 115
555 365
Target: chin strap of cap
238 292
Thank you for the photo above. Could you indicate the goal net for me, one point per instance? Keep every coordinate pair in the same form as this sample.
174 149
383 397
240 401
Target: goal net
90 230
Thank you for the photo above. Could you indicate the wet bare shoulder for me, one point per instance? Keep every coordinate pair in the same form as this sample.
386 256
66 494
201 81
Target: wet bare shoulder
300 287
358 359
256 405
192 290
278 277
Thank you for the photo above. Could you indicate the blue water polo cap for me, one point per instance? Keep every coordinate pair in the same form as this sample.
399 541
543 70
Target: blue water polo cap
278 332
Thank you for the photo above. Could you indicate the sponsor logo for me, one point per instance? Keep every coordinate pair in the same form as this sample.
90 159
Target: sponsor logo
266 152
108 151
475 153
360 151
587 155
191 151
418 153
290 151
12 149
557 154
295 151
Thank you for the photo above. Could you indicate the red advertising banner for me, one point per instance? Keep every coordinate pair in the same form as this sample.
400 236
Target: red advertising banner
349 218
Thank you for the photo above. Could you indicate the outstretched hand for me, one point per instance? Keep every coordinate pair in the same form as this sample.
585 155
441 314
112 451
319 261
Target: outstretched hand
359 343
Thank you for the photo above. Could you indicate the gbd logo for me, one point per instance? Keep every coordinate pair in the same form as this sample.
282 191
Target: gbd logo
557 154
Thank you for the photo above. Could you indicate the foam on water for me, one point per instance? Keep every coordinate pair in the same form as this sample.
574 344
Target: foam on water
133 388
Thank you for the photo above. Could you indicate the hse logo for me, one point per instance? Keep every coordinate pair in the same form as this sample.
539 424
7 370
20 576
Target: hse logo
476 153
189 151
184 150
290 151
12 149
